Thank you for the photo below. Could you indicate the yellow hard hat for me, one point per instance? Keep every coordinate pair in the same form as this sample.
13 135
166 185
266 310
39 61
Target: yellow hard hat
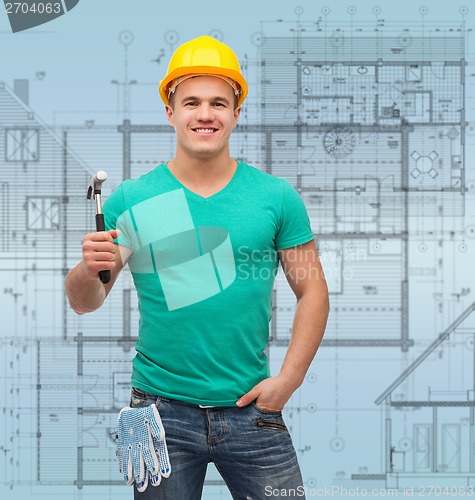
203 56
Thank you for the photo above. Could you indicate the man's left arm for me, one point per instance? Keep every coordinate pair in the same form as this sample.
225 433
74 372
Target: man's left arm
304 273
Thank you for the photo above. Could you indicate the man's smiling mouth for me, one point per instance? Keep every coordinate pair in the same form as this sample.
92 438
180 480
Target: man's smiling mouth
204 130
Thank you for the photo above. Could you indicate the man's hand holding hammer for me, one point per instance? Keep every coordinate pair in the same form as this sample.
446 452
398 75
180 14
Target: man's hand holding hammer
85 291
89 283
99 252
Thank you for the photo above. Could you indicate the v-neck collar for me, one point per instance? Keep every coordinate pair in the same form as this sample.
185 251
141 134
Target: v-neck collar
206 198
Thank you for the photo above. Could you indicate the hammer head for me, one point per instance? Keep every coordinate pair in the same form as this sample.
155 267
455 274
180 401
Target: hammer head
95 183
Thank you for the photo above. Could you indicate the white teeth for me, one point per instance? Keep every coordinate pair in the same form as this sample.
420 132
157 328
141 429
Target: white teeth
204 130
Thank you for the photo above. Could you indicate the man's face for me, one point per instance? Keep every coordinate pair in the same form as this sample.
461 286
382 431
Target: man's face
203 116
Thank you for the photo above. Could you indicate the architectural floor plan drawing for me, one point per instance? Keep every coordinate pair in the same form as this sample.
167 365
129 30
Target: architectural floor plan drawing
371 117
373 137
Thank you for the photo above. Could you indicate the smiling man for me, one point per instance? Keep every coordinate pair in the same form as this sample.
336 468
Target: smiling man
191 231
203 113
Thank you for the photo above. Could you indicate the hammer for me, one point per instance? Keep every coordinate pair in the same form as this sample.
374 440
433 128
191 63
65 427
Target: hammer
95 187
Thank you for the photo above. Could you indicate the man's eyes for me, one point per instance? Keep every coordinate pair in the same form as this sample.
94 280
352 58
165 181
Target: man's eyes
195 103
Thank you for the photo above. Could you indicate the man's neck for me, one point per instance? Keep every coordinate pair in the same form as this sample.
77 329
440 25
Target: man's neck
204 176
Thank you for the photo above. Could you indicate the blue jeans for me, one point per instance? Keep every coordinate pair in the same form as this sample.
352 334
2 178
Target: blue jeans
250 447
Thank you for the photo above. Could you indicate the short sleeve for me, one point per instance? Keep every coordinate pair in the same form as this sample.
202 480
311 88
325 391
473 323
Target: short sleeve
295 226
115 216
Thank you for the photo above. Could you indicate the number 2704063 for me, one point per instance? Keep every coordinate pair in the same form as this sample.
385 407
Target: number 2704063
33 8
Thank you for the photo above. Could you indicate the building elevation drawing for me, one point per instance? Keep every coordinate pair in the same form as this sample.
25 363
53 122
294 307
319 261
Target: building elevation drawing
369 112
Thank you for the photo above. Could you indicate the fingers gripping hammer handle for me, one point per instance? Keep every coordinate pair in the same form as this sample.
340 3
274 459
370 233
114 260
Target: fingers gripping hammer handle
104 276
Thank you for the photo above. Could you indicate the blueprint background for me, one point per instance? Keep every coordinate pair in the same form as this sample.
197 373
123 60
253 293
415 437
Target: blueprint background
337 428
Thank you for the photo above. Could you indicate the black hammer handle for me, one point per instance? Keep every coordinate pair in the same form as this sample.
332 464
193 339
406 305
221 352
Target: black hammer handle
104 276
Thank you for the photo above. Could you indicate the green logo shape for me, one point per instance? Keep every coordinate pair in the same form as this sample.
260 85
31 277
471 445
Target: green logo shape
200 265
192 262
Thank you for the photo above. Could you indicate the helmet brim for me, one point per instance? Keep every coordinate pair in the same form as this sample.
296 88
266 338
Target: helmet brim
203 70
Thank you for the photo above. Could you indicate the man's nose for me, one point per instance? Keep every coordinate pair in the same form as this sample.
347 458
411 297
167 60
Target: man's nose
205 112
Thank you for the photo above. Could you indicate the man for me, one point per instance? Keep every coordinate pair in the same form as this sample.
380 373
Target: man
203 236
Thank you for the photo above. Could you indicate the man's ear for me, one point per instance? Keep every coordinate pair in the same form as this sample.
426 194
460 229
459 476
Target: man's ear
237 112
169 112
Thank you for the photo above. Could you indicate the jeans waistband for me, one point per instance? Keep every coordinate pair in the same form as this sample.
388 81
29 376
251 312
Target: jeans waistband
149 395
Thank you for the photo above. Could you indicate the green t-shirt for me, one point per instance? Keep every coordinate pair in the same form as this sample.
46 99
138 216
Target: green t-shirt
204 270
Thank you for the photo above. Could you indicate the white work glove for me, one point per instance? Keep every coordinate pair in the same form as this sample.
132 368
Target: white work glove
141 446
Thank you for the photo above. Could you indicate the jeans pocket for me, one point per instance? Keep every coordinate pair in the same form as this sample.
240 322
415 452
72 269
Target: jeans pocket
269 419
264 411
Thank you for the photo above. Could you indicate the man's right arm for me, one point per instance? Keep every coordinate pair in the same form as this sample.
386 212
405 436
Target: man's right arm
85 291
